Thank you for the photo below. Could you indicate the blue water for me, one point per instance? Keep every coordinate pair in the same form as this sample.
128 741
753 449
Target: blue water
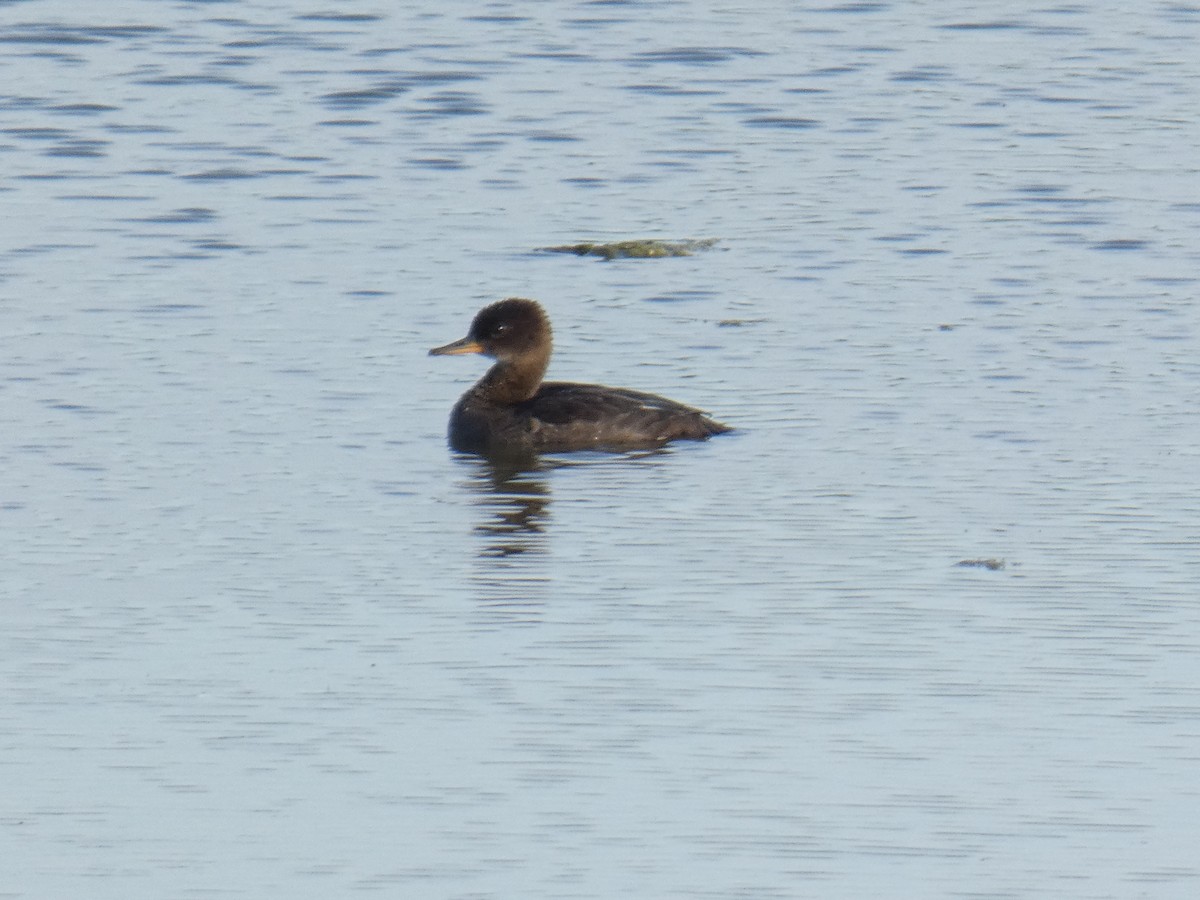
266 636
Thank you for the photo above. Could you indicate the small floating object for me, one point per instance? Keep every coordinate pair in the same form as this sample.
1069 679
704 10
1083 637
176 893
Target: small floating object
639 249
992 564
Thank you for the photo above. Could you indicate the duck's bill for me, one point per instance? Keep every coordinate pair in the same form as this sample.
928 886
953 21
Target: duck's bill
466 345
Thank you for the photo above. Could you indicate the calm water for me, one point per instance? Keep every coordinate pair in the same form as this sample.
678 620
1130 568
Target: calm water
264 636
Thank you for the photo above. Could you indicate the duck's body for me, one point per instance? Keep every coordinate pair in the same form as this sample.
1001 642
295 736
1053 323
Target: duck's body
565 416
511 411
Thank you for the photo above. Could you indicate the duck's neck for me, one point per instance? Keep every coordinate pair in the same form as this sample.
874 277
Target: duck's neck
516 380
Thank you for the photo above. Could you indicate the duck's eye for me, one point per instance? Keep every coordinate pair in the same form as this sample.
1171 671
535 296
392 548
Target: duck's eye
501 328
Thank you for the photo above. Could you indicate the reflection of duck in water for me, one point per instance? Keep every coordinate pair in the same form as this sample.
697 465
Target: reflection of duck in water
516 500
511 410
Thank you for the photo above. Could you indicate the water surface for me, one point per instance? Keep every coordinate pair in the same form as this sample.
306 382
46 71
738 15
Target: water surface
266 636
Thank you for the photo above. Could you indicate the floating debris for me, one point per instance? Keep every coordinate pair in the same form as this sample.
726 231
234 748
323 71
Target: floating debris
641 249
992 564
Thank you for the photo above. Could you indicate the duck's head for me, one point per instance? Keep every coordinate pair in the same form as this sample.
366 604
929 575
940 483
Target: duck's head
506 331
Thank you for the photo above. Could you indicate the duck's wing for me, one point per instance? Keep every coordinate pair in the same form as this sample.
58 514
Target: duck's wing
594 415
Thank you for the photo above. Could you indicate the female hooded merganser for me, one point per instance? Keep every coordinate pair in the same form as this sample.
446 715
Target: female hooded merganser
512 411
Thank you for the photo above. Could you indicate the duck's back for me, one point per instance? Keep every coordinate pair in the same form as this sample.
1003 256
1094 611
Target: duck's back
568 416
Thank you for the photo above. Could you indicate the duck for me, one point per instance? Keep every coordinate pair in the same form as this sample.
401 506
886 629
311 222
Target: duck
512 411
